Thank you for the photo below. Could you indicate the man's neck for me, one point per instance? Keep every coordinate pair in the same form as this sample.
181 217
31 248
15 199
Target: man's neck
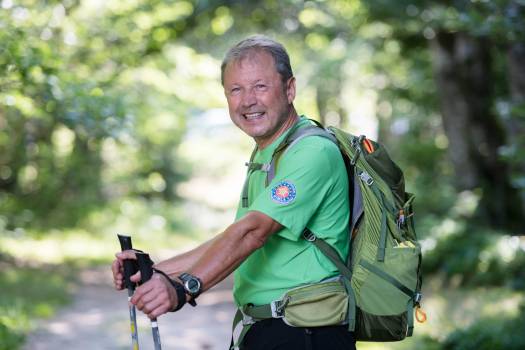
289 122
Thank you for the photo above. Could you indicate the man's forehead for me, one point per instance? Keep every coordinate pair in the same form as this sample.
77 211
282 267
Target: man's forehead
254 56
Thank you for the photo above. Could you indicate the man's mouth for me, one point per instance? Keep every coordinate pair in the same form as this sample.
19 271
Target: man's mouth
253 116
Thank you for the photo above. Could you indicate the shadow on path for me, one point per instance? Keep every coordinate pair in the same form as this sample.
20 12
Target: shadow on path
98 319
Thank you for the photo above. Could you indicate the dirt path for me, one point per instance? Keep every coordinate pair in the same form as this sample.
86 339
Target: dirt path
98 319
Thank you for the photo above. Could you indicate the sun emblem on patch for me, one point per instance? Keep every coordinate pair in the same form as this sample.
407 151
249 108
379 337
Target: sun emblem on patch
284 192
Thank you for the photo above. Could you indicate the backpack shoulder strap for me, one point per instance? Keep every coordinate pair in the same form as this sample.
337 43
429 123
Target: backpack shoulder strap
294 137
296 134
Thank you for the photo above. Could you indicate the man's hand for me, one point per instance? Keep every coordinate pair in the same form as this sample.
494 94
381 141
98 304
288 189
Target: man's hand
155 297
117 267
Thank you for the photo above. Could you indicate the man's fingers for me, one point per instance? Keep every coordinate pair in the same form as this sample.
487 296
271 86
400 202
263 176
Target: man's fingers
116 269
161 310
151 298
118 265
115 266
136 277
140 292
126 254
150 302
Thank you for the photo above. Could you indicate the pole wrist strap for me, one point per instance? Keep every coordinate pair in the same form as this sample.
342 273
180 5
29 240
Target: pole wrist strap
179 289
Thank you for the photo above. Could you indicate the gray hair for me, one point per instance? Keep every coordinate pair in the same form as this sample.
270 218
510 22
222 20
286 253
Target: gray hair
264 43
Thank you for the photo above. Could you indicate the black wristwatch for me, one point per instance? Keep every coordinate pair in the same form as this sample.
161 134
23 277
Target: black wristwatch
192 286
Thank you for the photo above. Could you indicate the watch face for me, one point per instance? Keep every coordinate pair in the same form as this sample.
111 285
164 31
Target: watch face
193 285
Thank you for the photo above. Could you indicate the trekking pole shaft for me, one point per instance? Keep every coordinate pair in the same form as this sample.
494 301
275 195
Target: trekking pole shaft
133 322
146 271
156 334
130 269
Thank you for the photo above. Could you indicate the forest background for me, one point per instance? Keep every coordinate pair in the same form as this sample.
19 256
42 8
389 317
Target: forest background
113 119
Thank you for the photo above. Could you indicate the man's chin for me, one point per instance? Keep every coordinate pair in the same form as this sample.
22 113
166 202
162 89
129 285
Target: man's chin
253 130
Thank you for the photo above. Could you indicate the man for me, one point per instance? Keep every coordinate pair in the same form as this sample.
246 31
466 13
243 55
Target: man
265 246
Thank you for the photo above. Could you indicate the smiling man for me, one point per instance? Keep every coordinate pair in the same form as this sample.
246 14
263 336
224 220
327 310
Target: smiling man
308 189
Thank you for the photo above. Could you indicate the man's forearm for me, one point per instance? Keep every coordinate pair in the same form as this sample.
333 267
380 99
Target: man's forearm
225 253
183 262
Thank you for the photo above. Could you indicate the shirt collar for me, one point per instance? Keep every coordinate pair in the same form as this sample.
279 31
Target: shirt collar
268 150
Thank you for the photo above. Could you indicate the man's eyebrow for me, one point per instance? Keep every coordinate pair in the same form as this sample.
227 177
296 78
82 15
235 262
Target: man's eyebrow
259 81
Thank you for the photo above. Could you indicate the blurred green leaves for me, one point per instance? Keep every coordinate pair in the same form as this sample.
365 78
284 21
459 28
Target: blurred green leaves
96 98
28 293
501 332
65 95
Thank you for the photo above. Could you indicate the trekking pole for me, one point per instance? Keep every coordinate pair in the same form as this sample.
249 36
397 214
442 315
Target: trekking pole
130 268
146 271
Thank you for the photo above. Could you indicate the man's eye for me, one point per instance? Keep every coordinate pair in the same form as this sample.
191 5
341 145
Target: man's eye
234 91
260 87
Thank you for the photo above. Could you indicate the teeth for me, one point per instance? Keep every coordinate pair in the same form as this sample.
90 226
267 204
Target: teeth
253 115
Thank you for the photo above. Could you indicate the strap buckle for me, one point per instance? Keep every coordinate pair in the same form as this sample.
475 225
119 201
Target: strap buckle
247 320
356 141
278 306
366 178
277 311
417 298
308 235
258 166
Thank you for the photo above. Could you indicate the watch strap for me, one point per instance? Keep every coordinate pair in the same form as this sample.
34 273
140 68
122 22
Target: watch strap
179 289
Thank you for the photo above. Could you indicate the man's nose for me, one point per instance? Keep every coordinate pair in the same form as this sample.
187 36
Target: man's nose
248 98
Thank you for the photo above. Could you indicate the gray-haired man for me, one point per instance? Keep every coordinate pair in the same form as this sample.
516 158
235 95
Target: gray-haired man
264 245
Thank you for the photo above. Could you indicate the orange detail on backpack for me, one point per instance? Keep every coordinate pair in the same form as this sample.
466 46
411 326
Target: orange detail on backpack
368 145
421 316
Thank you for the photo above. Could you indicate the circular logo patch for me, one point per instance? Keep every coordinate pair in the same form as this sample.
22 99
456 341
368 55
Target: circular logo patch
284 192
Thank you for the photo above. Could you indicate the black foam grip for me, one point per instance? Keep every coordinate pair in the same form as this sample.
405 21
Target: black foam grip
125 242
145 266
130 267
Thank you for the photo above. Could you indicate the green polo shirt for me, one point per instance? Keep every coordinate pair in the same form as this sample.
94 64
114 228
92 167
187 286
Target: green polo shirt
310 189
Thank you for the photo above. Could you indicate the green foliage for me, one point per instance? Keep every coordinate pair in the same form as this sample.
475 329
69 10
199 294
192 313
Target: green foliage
64 97
495 333
95 99
10 339
474 256
28 293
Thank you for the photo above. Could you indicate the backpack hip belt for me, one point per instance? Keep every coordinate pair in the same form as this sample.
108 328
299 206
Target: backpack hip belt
312 305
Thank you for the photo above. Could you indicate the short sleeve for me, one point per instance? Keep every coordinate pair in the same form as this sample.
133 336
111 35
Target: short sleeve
304 178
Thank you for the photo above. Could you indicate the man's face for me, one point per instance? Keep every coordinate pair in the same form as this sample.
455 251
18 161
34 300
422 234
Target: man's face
258 101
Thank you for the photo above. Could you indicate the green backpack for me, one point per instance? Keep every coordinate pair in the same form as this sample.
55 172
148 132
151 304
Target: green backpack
384 264
382 276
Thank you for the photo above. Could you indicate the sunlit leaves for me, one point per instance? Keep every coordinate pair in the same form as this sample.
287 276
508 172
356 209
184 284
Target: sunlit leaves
222 21
310 17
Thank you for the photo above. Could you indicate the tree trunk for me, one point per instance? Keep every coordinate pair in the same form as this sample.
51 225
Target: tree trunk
463 73
515 124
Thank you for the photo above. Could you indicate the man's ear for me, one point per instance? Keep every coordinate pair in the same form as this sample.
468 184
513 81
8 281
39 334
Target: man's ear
290 90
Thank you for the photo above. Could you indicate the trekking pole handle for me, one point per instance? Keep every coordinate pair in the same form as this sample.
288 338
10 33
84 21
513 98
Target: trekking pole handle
145 266
129 266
